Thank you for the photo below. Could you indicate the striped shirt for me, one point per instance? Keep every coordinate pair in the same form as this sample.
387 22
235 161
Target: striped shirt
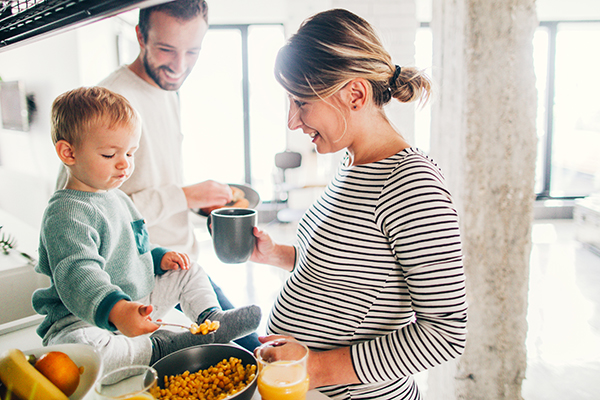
380 270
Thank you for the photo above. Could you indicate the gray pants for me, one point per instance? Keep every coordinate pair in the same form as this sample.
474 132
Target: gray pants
191 289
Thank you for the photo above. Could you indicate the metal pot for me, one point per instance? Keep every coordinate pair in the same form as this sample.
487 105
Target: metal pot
201 357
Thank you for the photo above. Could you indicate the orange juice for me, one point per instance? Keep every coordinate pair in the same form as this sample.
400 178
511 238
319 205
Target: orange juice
140 396
283 380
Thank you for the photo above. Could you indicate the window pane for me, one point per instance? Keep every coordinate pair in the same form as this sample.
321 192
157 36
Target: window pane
540 63
212 113
576 138
267 106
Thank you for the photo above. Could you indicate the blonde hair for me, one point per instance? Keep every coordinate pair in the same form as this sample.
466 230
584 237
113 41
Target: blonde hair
78 111
333 47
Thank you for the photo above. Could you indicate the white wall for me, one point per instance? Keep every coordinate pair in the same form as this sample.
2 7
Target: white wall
49 67
46 68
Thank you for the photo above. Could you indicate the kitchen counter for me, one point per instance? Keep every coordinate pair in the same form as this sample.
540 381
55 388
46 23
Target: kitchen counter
18 280
26 339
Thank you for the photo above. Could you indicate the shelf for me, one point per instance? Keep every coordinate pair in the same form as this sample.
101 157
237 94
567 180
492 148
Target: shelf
24 21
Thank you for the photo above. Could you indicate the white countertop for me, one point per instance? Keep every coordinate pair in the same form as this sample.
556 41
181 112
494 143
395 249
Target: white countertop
26 339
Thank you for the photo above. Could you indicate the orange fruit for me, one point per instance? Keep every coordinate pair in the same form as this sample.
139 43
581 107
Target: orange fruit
60 370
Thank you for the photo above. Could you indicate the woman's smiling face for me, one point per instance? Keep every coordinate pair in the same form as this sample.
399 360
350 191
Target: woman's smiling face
322 120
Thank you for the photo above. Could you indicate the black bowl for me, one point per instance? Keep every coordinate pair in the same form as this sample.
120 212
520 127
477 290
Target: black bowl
201 357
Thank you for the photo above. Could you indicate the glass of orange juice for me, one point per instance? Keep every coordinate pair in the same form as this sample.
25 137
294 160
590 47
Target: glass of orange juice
282 370
134 382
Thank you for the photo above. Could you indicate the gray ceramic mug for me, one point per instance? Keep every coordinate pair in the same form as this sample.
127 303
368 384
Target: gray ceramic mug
232 233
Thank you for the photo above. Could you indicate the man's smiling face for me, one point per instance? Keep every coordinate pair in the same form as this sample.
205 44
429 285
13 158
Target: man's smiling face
171 49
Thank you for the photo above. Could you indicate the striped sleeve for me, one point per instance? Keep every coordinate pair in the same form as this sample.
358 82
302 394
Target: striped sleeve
416 214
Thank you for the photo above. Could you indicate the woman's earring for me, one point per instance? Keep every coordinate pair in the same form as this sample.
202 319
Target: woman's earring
354 107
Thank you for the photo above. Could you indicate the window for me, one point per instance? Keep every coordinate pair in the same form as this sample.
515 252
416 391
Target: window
568 100
566 65
233 110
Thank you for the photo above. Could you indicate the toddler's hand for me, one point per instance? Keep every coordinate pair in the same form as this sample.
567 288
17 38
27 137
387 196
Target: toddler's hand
132 318
175 260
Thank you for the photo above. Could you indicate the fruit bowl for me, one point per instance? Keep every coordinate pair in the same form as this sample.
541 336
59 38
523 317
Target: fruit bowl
84 356
200 357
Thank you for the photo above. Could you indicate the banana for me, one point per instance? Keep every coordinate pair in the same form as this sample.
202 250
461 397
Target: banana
20 377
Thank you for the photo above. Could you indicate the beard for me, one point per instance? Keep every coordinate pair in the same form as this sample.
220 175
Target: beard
154 73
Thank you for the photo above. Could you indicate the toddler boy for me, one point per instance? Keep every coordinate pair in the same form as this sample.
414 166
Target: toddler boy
108 283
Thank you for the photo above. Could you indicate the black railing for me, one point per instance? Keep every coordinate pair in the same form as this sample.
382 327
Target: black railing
22 21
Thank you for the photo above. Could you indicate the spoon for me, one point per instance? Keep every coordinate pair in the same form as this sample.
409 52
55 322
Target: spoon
171 324
204 328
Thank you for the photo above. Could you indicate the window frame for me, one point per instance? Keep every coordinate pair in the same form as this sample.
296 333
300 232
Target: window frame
548 100
244 29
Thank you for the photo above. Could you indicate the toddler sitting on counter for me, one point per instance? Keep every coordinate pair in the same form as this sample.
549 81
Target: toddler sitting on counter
108 283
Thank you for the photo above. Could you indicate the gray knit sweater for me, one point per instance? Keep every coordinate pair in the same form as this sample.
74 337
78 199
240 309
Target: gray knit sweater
95 249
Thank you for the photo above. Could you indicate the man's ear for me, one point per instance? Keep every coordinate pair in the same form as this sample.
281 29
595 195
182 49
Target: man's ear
357 92
65 152
140 37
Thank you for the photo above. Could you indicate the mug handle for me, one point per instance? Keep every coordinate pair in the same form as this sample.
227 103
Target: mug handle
208 224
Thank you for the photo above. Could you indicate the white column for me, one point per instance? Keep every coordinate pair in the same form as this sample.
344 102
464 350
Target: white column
483 136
